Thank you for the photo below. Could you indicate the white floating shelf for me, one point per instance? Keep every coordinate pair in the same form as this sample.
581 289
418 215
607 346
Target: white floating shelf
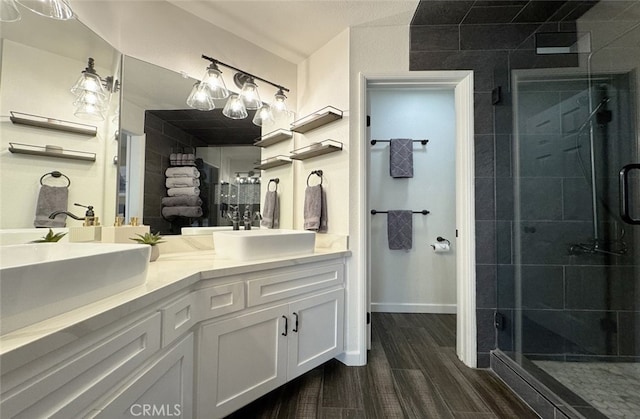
50 123
273 138
317 149
273 162
316 119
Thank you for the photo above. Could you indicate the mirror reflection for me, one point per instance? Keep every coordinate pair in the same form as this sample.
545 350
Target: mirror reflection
42 58
211 158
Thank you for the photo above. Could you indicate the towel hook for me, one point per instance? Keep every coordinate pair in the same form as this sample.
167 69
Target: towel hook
315 172
56 174
276 181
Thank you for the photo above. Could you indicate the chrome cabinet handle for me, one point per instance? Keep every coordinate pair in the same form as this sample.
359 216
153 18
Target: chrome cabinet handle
295 328
625 195
286 325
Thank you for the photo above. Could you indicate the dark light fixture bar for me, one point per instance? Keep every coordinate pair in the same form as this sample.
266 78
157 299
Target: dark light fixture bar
423 142
374 212
213 60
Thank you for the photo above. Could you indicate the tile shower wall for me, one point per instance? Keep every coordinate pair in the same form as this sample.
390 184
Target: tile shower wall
160 138
490 38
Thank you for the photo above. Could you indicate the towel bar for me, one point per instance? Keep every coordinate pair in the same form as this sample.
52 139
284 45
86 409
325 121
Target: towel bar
374 212
423 142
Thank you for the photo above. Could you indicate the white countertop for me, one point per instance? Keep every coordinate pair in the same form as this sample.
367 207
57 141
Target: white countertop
171 273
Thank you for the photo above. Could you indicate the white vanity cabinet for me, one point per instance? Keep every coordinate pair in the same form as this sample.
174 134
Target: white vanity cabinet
202 350
163 388
243 358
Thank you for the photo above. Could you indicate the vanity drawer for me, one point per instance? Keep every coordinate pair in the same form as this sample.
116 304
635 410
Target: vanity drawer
289 282
221 299
62 387
202 304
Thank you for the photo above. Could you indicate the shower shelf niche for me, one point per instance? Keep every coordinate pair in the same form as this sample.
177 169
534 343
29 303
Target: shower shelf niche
273 138
272 162
316 119
317 149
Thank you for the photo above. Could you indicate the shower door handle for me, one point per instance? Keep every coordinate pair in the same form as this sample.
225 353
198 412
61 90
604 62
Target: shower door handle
625 195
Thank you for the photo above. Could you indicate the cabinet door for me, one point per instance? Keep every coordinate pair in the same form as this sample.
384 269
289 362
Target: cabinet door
240 359
163 389
316 331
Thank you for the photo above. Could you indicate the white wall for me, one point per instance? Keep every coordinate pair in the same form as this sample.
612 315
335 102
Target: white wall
323 80
24 79
416 280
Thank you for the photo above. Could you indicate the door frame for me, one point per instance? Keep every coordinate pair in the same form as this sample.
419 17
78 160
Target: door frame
462 84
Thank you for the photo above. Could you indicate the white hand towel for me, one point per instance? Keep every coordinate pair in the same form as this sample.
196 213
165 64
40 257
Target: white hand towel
188 171
181 182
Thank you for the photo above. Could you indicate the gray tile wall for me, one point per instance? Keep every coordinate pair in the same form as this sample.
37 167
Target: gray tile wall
491 38
160 138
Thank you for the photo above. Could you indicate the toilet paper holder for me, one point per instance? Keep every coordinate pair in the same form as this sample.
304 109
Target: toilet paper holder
442 239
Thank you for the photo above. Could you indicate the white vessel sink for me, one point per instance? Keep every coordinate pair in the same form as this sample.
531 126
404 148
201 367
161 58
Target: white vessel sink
263 244
39 281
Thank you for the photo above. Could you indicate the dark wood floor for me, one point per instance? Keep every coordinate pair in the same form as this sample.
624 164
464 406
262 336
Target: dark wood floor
412 372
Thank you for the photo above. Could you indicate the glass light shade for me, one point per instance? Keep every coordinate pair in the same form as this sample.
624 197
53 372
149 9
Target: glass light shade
9 11
215 84
89 82
263 116
199 98
250 96
90 99
279 105
90 112
235 108
55 9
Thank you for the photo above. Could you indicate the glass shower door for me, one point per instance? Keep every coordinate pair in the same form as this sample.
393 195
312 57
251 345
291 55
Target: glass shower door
576 272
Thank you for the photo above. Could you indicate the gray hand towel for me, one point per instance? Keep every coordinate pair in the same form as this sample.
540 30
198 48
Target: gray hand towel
315 209
401 158
50 199
271 210
182 201
400 230
192 212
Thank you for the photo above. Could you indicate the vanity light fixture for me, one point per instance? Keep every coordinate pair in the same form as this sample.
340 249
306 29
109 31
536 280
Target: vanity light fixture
54 9
212 87
91 92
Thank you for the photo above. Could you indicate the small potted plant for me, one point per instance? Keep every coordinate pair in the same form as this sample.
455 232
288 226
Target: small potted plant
51 237
151 239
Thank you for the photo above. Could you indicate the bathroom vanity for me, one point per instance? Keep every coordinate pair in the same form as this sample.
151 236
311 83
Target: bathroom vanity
202 337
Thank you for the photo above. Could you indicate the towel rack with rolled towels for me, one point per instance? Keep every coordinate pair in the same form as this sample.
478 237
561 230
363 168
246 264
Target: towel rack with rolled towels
423 212
423 142
276 181
315 172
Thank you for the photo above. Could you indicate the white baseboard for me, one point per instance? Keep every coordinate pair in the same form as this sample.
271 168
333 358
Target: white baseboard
413 308
352 359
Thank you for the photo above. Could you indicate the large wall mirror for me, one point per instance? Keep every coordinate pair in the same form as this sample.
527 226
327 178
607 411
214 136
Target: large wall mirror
41 60
159 129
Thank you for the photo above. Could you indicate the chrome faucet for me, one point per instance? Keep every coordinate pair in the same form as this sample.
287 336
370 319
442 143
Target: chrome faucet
234 216
246 218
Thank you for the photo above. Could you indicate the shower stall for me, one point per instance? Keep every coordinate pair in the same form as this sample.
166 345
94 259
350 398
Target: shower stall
568 245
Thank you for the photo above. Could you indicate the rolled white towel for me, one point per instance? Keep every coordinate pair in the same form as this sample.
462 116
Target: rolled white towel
192 190
181 182
188 171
